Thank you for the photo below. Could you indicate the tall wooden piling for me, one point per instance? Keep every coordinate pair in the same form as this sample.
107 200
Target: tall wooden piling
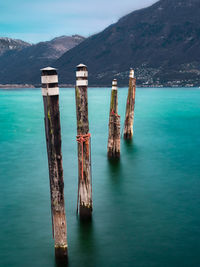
50 92
113 148
129 117
84 201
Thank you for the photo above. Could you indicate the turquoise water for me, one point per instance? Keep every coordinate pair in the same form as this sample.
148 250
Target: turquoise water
146 207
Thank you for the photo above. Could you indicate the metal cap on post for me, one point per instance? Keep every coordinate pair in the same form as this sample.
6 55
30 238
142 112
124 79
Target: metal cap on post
49 80
82 75
131 73
114 84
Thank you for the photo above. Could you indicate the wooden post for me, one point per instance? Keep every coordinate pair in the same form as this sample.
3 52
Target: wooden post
84 201
113 148
129 118
50 92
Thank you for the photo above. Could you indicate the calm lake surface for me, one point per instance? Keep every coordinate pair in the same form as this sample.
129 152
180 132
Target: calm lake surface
146 207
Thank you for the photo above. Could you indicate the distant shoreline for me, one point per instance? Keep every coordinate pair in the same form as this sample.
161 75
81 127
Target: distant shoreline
31 86
16 86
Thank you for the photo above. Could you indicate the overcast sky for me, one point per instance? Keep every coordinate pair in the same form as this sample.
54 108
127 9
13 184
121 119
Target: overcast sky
41 20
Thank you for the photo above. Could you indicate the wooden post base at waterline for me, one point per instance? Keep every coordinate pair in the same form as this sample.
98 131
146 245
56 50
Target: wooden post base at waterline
61 254
85 212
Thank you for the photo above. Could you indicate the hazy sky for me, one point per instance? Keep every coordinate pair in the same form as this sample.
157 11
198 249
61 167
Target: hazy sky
41 20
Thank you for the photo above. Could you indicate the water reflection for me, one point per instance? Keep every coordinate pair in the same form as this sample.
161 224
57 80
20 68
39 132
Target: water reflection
114 170
129 145
129 149
86 242
86 235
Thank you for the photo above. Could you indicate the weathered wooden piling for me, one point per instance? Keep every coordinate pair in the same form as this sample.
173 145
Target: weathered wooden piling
50 92
113 148
84 201
129 118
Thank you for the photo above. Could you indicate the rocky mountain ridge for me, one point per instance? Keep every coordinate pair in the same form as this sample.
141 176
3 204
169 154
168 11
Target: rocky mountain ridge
7 44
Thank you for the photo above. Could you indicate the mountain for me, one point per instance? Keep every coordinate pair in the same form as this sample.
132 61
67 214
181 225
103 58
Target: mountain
62 44
162 43
8 44
19 66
